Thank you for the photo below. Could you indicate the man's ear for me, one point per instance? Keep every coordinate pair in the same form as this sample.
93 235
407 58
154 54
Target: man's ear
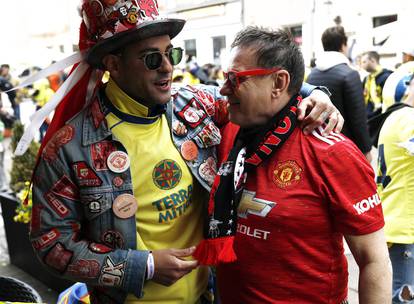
111 63
281 81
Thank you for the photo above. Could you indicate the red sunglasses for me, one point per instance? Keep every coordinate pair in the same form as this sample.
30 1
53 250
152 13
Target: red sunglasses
236 78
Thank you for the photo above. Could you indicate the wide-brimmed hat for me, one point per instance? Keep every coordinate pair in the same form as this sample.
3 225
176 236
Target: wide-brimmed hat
112 24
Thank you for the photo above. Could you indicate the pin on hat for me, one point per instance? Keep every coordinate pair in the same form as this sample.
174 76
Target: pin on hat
112 24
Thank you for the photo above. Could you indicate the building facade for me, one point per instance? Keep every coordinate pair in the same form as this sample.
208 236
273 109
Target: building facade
49 29
379 25
210 28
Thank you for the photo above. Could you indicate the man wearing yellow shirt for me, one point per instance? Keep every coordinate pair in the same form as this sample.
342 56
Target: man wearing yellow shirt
395 179
374 82
120 189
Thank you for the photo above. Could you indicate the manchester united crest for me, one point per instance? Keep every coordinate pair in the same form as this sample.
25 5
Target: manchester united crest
287 173
166 174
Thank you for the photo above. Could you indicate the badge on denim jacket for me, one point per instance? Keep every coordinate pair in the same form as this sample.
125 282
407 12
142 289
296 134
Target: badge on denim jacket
209 136
208 169
192 115
118 161
125 206
189 150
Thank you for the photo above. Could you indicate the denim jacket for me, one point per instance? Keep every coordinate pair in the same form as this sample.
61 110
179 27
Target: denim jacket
73 229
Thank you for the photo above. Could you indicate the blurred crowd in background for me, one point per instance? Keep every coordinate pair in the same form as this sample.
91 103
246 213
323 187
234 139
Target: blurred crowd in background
367 64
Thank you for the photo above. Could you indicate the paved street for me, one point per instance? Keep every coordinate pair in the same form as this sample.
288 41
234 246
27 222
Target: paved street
8 270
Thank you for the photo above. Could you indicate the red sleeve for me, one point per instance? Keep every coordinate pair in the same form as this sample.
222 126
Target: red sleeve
349 183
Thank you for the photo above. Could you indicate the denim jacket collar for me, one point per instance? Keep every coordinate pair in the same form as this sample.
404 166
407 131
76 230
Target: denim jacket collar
94 127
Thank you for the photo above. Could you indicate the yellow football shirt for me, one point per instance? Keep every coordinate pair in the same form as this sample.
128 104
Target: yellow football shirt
168 215
395 176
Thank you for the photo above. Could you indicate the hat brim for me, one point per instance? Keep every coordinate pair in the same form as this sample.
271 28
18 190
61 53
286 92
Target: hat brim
170 27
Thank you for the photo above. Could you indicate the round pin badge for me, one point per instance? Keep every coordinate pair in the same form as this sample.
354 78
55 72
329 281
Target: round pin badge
118 161
118 181
189 150
124 206
95 207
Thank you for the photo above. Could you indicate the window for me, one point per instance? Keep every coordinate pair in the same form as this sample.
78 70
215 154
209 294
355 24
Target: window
378 21
296 32
190 47
383 29
219 44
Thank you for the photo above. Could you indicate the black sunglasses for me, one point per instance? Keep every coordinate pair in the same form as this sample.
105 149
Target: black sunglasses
153 60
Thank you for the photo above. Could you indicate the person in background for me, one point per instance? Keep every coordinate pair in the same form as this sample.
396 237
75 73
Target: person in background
374 82
5 73
395 180
41 93
333 71
217 75
177 76
282 202
408 53
120 190
6 84
55 80
4 186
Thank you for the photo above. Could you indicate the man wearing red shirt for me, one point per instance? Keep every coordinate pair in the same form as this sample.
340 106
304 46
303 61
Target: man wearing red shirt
292 197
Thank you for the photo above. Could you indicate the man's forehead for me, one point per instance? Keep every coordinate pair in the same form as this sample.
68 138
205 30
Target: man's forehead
242 57
154 43
366 57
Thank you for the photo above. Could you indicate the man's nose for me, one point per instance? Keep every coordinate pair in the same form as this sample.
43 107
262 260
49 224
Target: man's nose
166 65
226 89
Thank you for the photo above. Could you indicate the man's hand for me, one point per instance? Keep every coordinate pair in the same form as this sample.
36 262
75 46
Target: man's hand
171 266
321 109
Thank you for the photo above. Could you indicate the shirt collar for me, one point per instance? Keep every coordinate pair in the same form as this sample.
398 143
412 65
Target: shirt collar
124 103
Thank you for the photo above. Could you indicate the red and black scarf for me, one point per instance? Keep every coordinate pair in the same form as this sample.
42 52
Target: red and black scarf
250 149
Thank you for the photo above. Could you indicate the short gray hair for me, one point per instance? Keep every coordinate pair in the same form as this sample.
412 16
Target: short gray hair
274 48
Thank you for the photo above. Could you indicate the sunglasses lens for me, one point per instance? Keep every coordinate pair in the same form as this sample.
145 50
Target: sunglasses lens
175 55
153 61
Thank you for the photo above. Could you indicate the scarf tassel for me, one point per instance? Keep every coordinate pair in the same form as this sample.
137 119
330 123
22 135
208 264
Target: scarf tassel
215 251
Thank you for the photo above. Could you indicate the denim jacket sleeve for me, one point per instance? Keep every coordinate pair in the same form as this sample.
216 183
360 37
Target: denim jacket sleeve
60 233
307 89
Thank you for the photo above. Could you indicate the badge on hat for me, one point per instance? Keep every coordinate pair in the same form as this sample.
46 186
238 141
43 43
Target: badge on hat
118 161
108 22
125 205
